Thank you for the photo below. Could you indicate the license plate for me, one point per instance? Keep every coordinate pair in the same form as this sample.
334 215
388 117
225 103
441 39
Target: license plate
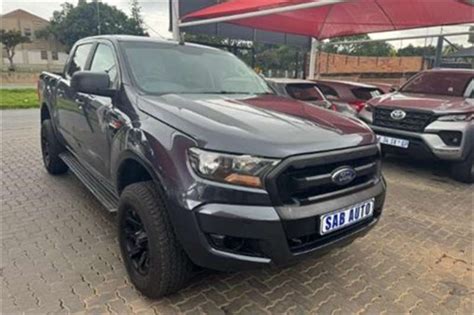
340 219
394 142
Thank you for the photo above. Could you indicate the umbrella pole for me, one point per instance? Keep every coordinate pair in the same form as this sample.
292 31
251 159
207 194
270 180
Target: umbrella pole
176 20
312 58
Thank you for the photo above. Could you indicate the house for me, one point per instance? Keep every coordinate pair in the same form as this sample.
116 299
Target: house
40 54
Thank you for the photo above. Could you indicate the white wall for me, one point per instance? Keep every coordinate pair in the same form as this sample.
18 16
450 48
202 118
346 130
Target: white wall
17 59
34 58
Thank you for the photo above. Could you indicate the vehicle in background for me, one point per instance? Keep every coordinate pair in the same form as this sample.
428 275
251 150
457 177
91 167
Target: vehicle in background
348 93
431 116
385 87
308 91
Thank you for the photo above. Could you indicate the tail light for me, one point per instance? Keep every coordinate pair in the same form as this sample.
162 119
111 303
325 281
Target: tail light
358 105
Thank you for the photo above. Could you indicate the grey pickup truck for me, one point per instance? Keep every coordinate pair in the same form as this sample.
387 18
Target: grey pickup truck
203 163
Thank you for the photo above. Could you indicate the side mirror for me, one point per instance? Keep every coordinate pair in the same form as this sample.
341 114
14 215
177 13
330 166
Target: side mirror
97 83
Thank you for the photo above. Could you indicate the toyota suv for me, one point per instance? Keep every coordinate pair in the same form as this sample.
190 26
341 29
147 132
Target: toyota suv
431 116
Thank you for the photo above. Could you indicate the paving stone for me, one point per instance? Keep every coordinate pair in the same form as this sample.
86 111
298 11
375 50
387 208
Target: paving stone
60 253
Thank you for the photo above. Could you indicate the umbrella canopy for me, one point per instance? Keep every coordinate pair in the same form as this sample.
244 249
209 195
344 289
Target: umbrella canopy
346 18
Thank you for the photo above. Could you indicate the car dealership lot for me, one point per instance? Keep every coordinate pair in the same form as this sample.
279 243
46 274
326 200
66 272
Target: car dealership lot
60 253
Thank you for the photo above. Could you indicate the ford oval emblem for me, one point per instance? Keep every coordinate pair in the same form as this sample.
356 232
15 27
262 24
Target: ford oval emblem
398 114
344 175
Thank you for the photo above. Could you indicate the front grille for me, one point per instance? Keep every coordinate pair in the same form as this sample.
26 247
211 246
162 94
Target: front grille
415 121
307 179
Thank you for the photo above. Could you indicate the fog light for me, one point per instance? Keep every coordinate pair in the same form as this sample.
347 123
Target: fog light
451 138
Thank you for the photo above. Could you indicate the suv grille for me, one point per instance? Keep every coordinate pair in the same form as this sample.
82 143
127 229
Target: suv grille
414 121
307 179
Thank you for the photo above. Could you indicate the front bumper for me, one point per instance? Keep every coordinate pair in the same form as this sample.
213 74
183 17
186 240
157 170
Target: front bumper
273 240
429 144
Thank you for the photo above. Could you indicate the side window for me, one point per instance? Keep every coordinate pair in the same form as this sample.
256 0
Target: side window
79 59
327 90
104 61
470 90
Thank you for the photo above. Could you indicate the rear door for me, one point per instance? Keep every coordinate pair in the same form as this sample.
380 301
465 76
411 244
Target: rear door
69 111
97 127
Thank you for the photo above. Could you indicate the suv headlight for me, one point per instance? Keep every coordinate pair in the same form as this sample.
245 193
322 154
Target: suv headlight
457 117
243 170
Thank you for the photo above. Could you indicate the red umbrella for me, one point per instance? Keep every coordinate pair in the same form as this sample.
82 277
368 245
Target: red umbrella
344 18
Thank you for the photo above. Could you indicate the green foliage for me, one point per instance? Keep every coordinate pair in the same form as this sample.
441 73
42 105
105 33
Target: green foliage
418 51
274 57
136 19
452 48
11 39
375 49
18 98
73 23
279 57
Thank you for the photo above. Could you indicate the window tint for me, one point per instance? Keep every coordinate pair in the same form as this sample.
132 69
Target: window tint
304 92
366 93
439 83
104 61
327 90
78 61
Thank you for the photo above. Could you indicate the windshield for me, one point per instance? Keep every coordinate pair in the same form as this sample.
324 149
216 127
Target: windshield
164 69
304 92
439 83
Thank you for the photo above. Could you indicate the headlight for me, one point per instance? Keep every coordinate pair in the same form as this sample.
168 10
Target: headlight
457 117
244 170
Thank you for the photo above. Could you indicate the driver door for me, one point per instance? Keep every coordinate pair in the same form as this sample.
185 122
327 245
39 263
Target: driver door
97 130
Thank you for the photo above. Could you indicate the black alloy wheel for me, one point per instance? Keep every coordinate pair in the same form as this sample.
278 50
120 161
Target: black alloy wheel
136 242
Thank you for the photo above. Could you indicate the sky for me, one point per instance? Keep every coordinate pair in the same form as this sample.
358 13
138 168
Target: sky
155 14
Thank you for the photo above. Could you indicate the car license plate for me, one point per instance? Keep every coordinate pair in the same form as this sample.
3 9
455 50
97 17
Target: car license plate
395 142
342 218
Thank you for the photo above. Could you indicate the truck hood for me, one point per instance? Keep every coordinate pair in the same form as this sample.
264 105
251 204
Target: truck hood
268 126
436 103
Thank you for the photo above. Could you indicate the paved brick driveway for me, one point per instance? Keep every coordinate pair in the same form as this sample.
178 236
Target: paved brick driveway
60 254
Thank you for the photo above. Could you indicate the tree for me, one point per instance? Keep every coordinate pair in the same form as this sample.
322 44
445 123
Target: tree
411 50
72 23
136 18
11 39
452 48
375 49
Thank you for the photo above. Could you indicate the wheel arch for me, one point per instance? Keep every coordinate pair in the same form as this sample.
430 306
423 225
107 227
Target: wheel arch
45 113
131 168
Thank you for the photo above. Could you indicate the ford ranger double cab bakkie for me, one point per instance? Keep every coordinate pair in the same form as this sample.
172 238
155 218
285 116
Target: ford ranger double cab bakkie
431 117
204 164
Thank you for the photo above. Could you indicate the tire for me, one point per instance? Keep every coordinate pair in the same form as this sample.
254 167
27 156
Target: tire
50 150
166 267
464 171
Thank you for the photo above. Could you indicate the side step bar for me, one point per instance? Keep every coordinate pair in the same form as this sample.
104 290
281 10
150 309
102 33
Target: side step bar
97 186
